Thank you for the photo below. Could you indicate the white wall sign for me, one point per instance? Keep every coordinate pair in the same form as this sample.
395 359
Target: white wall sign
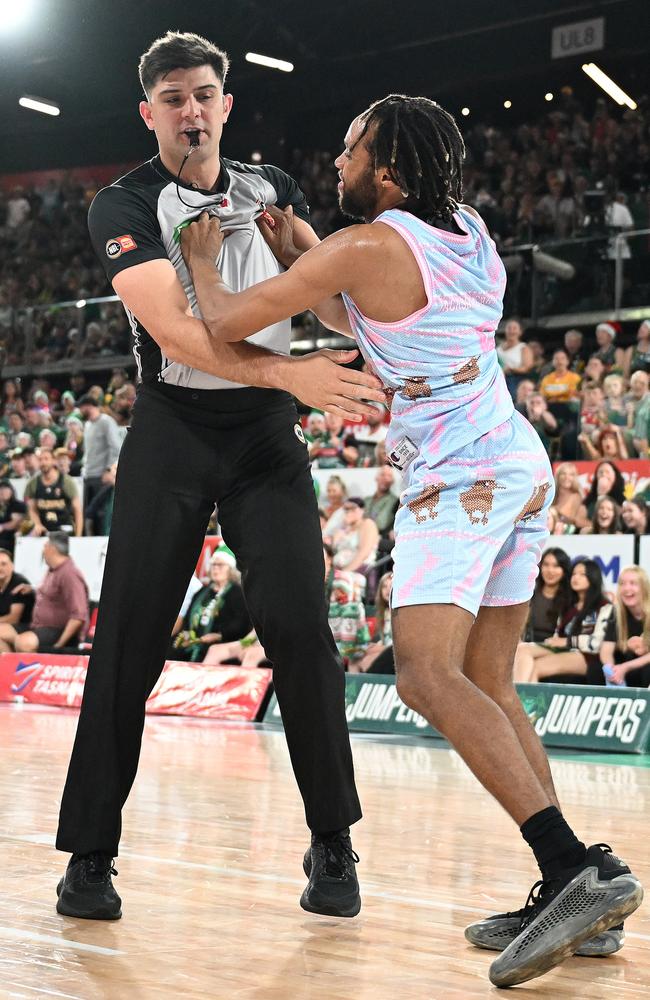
612 552
644 554
358 482
87 553
581 36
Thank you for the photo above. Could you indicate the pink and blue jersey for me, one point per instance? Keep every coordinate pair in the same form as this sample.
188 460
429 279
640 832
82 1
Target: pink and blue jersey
453 429
439 364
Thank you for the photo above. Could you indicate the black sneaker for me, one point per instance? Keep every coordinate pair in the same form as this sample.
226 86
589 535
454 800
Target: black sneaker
86 890
333 888
567 911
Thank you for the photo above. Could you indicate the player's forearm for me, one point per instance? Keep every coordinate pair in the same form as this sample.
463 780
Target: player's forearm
331 312
251 365
214 296
239 362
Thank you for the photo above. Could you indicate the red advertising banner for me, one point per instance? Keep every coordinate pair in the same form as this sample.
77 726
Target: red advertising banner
209 692
228 693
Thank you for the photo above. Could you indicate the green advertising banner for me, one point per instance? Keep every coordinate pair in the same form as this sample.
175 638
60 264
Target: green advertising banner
564 715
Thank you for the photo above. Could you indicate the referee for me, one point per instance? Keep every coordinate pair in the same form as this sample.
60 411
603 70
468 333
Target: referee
211 423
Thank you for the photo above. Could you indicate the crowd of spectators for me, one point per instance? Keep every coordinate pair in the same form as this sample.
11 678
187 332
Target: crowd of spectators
609 507
577 632
51 439
590 398
530 182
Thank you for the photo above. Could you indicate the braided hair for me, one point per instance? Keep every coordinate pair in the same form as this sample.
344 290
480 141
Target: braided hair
422 148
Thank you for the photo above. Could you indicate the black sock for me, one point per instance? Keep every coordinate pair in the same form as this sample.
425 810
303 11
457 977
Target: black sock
332 833
553 842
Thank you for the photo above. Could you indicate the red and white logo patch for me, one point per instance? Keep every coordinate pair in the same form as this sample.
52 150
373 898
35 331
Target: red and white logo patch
118 245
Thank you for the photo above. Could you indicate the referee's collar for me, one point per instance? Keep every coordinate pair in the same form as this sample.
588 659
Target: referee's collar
220 187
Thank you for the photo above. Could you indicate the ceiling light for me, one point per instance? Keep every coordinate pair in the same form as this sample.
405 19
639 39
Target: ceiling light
13 14
464 111
39 104
507 104
612 89
285 67
548 97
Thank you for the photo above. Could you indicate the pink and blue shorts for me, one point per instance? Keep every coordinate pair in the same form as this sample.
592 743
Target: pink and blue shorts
471 530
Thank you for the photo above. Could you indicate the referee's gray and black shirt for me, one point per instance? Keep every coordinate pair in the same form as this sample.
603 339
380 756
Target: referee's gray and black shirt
138 218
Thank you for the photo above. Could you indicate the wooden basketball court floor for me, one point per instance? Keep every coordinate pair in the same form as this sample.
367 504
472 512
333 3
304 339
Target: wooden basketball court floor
210 873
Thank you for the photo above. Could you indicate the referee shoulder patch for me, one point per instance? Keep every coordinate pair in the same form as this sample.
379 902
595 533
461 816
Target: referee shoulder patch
118 245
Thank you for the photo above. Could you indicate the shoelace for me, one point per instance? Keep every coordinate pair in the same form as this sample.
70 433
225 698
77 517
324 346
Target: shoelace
548 888
339 856
536 897
99 865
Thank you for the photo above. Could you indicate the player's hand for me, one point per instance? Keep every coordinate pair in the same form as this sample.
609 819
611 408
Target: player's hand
320 381
276 226
203 237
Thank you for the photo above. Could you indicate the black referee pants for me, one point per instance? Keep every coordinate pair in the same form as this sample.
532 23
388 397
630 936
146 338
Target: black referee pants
187 449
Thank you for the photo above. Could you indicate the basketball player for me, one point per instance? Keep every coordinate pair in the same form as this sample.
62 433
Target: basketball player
212 422
422 288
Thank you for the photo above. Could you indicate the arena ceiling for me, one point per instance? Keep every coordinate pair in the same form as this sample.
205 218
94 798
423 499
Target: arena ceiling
83 54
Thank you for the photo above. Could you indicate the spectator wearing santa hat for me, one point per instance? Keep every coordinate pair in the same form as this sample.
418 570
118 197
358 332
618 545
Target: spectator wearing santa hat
611 356
217 612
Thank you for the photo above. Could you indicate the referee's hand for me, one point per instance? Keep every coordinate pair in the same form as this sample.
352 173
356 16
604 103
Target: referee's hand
321 381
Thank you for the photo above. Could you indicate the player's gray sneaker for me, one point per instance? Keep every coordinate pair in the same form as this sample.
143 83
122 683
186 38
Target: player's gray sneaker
565 913
496 932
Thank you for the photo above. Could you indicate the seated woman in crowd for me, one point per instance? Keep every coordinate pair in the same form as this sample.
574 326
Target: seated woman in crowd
552 596
637 357
608 443
355 545
635 517
608 481
625 652
574 647
570 509
217 612
515 357
74 442
379 657
335 495
606 519
610 355
11 398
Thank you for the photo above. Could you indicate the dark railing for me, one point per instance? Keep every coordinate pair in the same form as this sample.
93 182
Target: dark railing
554 284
